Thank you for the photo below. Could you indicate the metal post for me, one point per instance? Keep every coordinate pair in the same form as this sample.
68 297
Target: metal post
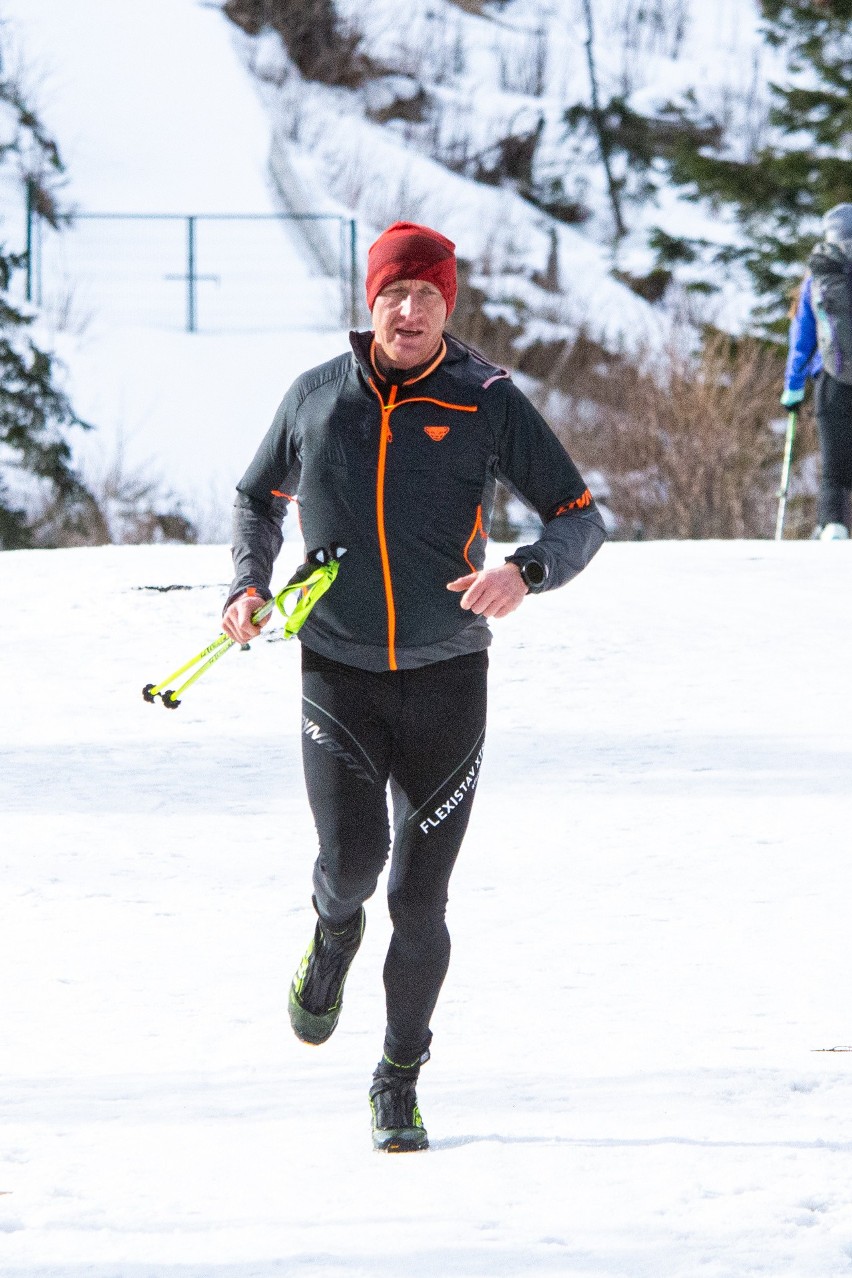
38 244
343 270
29 240
353 272
190 274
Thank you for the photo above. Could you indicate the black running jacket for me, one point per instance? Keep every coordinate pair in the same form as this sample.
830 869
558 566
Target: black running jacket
403 474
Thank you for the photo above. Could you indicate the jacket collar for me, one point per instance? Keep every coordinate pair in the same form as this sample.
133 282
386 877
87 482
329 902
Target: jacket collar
455 352
363 346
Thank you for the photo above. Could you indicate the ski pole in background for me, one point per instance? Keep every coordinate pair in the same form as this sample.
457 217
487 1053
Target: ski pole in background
307 585
792 418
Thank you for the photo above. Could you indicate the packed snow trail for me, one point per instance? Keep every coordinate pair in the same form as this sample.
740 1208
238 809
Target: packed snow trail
649 922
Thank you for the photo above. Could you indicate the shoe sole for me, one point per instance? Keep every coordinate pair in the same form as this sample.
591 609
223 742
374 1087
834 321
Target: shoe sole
402 1140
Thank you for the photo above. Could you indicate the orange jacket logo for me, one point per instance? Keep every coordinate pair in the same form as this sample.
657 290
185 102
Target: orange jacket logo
437 432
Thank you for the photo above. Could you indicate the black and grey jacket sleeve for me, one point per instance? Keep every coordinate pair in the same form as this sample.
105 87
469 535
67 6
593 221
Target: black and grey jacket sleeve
533 464
263 497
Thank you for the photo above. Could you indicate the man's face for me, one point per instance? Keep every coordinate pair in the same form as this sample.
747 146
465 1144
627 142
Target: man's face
408 320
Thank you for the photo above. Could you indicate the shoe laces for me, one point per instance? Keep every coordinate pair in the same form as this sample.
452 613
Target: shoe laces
394 1097
329 964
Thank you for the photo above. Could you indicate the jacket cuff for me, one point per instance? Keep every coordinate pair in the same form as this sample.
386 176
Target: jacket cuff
244 588
534 569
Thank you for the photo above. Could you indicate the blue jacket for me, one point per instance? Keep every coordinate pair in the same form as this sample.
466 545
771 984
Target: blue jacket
803 359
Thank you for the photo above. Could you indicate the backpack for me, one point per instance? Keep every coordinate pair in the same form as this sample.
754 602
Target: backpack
831 293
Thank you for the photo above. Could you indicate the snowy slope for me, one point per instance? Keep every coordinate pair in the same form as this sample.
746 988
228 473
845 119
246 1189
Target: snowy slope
154 113
156 81
649 917
487 72
344 159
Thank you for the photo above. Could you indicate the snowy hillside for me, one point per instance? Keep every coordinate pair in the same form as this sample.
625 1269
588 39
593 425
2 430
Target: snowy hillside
155 111
468 128
630 1075
155 114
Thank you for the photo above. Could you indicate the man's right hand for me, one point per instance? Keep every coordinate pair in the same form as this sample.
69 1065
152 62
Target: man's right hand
791 398
236 619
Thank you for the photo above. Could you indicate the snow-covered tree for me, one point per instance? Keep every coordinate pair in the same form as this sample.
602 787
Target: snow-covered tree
36 471
805 166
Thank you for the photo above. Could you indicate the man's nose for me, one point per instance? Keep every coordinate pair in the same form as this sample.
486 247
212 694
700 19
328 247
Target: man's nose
409 305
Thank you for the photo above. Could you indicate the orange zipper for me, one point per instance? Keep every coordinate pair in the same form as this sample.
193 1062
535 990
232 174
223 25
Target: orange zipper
477 528
385 437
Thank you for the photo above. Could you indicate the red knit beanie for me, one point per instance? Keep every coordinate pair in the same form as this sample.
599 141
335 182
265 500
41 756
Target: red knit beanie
406 251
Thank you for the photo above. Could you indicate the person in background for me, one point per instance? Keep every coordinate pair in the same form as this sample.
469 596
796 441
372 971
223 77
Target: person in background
393 451
820 346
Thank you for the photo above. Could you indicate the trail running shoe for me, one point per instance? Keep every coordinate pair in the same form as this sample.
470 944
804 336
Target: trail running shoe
316 992
397 1124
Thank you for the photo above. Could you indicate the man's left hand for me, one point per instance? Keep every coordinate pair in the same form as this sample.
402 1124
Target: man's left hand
494 592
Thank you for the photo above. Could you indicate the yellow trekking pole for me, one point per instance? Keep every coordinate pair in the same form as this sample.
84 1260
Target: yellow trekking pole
307 586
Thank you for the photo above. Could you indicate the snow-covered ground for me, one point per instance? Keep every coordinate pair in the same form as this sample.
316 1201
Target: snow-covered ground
632 1072
650 917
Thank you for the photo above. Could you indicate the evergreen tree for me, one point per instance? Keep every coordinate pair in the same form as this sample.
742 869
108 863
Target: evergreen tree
36 471
780 192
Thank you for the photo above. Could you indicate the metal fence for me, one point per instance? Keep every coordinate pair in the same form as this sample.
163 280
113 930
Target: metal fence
202 272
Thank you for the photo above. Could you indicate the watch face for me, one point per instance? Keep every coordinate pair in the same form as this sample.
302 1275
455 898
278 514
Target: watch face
533 573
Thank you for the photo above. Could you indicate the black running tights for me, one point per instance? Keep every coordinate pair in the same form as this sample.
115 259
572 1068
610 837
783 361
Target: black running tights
421 732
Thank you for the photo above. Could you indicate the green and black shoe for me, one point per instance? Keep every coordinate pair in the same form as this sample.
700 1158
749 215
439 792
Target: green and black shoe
316 993
397 1124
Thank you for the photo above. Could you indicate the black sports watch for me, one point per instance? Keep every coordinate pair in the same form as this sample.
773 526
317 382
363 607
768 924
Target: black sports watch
533 573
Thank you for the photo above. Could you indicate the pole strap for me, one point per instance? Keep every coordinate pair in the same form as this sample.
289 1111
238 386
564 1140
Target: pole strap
295 602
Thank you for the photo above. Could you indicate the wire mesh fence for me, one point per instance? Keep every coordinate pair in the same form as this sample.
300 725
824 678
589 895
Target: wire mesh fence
201 272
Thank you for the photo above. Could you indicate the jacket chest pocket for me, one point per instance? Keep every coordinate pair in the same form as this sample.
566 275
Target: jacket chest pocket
346 440
439 444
